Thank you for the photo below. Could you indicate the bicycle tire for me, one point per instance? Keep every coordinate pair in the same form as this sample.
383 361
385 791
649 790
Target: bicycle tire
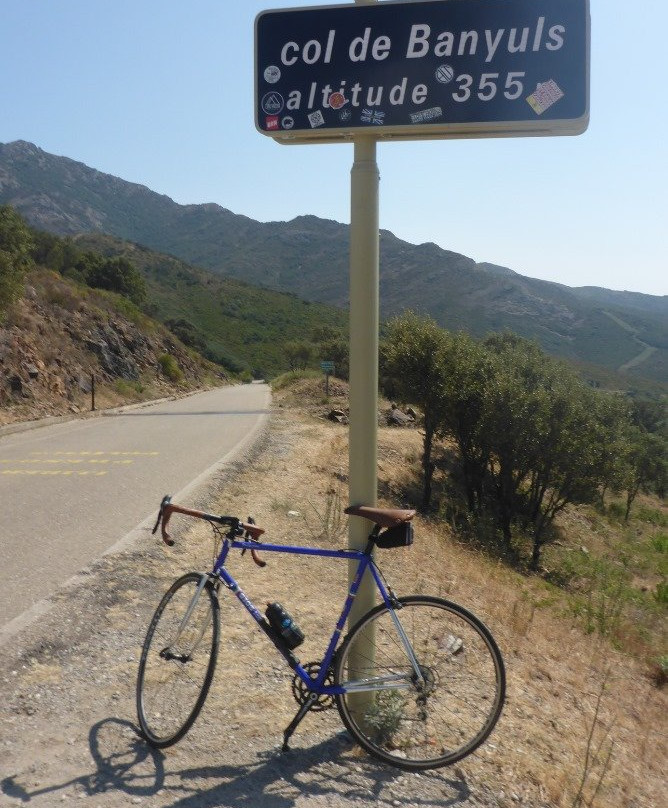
173 680
459 702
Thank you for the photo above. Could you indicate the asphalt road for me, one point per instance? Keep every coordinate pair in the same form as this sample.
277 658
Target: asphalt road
69 492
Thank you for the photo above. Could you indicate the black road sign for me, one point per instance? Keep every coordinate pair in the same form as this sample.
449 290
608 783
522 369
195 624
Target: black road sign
414 70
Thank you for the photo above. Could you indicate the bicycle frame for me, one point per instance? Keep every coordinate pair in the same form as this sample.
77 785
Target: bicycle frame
364 562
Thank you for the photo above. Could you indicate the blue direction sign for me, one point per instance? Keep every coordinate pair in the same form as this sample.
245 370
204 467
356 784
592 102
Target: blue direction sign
414 70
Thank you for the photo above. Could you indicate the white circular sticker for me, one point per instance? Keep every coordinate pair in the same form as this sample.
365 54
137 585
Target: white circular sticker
272 103
444 74
272 74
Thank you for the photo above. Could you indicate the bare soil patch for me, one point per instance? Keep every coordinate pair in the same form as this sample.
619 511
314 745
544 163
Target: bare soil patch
67 716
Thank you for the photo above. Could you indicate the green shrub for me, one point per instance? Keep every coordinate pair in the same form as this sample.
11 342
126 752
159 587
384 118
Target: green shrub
661 593
15 259
660 543
286 379
129 389
118 275
170 368
652 516
384 716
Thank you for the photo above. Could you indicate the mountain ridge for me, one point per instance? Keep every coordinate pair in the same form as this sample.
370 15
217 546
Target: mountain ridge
308 256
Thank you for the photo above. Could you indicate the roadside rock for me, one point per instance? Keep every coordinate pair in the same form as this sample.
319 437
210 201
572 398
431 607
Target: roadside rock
396 417
338 416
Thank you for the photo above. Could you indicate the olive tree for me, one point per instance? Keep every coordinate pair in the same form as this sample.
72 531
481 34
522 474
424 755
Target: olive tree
298 353
413 358
646 466
551 440
118 275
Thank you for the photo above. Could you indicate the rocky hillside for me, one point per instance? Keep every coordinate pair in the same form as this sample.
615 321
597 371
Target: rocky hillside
59 338
308 257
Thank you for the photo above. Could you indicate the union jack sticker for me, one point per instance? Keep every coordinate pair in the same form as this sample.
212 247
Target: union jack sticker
372 116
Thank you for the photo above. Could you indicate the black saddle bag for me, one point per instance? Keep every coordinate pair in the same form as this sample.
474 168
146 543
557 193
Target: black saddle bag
400 535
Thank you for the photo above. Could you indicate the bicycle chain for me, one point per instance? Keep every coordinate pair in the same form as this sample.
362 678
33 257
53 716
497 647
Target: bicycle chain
301 692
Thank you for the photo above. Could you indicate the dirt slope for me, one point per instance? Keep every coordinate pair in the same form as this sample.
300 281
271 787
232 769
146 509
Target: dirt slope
55 339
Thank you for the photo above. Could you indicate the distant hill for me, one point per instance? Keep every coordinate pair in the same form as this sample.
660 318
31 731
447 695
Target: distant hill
308 257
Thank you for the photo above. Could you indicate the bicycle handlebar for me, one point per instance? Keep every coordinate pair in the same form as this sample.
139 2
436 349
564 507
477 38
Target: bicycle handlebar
236 527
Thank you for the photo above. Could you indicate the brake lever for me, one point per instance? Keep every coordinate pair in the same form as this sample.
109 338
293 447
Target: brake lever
249 537
165 501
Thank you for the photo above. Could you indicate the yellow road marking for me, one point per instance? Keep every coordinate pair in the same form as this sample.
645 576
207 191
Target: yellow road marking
39 473
62 458
70 462
97 454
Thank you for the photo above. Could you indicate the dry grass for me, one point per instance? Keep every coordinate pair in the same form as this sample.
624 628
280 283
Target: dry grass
583 724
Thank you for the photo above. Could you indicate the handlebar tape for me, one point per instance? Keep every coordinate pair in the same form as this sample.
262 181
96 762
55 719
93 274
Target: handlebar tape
252 531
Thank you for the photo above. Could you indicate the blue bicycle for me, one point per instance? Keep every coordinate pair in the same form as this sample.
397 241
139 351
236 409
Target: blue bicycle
419 681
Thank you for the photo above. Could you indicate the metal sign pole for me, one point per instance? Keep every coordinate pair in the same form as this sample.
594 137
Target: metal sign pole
364 260
364 323
363 437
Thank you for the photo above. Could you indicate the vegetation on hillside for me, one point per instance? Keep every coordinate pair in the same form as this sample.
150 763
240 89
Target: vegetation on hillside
524 461
75 339
15 255
250 332
526 436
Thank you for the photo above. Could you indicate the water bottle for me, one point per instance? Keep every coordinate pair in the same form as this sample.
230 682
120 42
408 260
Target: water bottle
284 625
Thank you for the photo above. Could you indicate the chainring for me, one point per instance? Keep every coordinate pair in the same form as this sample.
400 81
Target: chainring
301 691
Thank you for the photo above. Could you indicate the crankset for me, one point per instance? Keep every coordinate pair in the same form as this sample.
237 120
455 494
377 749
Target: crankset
301 692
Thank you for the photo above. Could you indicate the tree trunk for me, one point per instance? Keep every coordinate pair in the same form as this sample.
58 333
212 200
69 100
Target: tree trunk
504 518
427 467
535 555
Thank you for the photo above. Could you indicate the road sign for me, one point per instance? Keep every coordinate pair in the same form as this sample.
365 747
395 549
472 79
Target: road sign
327 367
415 70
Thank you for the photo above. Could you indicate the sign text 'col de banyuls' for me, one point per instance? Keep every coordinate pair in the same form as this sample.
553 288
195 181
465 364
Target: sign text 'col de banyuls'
413 70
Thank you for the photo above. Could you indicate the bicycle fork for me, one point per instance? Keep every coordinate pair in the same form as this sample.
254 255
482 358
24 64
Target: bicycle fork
167 653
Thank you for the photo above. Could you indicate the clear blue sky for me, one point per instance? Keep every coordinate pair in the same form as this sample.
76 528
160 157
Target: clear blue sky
160 92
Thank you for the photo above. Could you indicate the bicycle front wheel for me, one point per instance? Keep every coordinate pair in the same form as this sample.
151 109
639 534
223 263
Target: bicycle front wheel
178 660
428 720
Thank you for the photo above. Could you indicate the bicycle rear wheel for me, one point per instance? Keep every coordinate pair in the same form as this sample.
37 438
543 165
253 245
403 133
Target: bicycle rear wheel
428 721
178 660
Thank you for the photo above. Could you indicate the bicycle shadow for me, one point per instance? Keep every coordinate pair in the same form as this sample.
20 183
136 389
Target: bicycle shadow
124 762
323 773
